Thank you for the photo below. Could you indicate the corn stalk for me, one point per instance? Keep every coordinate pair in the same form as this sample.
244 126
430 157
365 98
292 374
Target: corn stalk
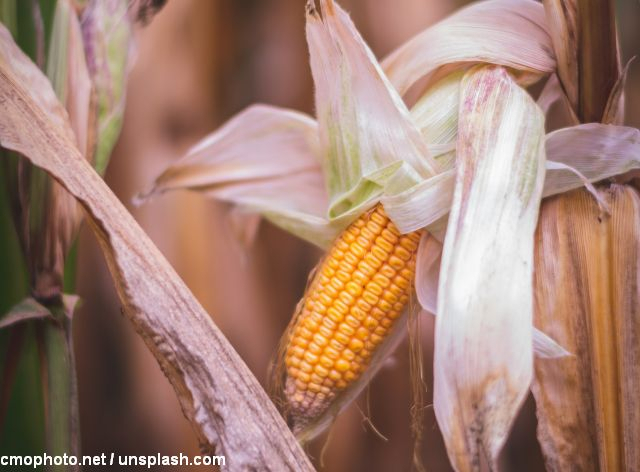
586 273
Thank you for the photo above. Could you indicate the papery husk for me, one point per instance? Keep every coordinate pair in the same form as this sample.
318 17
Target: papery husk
587 290
483 360
504 32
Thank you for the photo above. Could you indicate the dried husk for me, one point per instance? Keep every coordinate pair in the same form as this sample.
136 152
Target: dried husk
587 289
483 360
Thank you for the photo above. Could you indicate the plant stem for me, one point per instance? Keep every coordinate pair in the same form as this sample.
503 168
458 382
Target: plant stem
63 428
598 64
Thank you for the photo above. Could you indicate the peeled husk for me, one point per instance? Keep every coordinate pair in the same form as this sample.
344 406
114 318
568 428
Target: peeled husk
586 297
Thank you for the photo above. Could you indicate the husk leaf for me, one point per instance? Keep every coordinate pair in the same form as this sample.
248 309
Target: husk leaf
482 367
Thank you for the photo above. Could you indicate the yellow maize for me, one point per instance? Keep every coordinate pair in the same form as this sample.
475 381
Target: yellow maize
359 290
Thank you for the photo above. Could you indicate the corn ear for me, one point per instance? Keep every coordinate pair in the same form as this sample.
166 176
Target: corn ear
356 296
587 290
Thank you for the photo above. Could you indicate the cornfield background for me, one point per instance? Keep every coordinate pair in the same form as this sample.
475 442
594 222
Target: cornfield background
198 63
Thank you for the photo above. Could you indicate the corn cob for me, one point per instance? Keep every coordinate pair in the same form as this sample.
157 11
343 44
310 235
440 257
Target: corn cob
357 293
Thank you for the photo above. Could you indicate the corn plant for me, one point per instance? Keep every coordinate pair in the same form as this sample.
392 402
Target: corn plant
467 166
442 199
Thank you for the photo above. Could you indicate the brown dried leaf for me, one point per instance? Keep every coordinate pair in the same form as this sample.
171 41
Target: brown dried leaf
587 293
563 28
229 411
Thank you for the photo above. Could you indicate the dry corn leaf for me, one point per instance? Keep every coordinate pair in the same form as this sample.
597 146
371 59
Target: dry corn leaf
484 348
504 32
562 19
27 309
587 291
229 411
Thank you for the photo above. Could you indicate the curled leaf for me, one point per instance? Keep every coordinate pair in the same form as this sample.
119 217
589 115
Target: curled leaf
27 309
483 367
504 32
368 138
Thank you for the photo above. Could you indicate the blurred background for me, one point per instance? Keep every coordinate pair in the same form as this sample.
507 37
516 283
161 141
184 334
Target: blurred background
198 63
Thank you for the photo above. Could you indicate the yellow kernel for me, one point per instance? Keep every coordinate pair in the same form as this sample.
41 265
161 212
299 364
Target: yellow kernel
342 365
332 353
347 330
297 351
301 385
369 297
331 291
402 253
389 236
304 377
381 280
335 344
343 276
346 298
314 348
325 362
401 282
340 384
359 277
349 376
336 283
372 260
384 244
362 333
334 374
387 271
305 366
353 288
362 241
374 289
348 354
342 246
305 333
310 357
379 253
390 297
321 369
366 269
397 291
396 262
385 306
406 274
364 305
342 338
356 345
325 300
345 266
313 387
352 321
376 339
380 331
370 323
368 233
340 306
326 331
358 313
358 249
349 236
409 244
351 258
335 315
377 313
378 218
310 323
299 341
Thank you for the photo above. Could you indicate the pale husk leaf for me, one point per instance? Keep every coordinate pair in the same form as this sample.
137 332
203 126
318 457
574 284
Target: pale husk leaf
368 139
505 32
228 409
482 366
426 283
587 289
264 160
